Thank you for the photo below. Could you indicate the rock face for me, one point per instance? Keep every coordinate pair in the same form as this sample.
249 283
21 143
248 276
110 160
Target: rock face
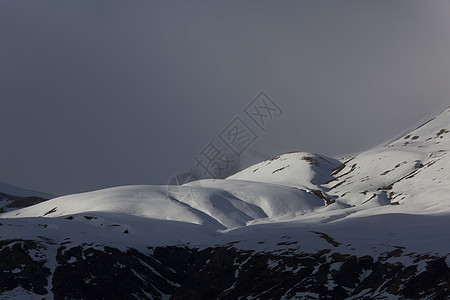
9 202
12 198
22 267
86 272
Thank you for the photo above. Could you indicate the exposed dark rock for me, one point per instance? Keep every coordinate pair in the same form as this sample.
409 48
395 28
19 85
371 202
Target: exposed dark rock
228 273
327 238
320 194
88 273
16 202
51 211
223 272
19 268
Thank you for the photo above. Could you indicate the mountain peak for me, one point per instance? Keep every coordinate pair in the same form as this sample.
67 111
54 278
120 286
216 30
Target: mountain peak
431 136
296 169
298 217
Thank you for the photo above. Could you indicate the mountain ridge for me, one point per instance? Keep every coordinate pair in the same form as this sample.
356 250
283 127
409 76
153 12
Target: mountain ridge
12 197
300 221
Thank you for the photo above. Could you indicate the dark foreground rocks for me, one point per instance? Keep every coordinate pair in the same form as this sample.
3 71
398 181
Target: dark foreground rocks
99 272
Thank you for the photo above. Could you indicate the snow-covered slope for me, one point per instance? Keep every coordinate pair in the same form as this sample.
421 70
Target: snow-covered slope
410 175
297 169
214 204
12 197
20 192
413 171
382 211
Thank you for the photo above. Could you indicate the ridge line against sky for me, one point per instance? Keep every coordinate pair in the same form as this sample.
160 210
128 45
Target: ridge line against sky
96 94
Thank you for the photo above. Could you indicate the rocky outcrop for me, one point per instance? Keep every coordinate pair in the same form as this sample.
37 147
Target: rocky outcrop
99 272
21 265
9 202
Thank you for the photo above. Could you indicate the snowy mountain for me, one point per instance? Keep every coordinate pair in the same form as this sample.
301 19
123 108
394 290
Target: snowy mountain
12 197
301 225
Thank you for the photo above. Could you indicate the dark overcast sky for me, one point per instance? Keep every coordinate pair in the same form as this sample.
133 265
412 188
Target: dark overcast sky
103 93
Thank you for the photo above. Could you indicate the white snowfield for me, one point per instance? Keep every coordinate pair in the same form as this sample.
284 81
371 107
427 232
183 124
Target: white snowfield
398 194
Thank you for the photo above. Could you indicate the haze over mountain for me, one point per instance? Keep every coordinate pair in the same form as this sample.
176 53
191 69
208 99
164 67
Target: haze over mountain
370 225
97 95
